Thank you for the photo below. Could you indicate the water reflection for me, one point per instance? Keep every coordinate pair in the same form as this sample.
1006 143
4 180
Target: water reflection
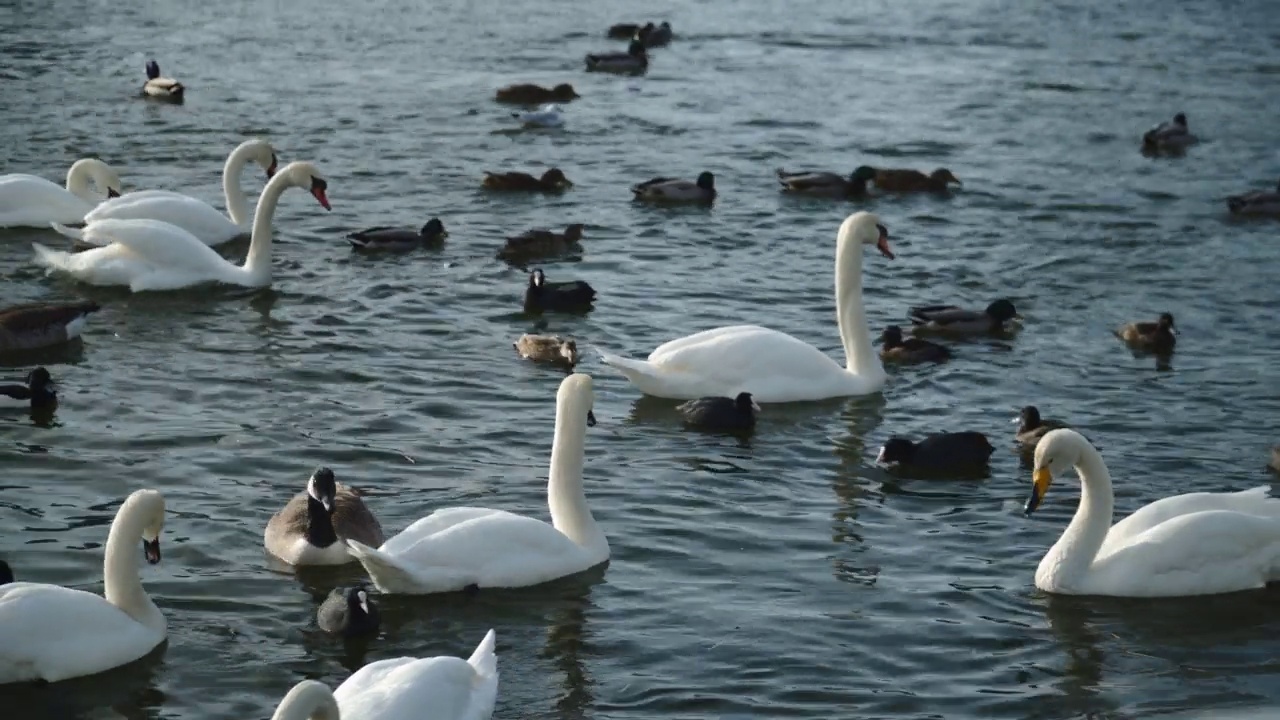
130 692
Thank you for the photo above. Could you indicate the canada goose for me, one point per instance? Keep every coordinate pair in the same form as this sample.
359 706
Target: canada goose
313 526
40 325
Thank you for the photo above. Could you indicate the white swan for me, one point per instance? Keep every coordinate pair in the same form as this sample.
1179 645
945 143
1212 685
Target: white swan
32 201
154 255
435 688
196 216
52 633
773 366
457 548
308 700
1192 544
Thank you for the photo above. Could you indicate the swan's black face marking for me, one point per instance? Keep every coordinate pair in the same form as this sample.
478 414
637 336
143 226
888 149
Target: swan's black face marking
318 189
112 193
591 418
882 243
151 550
271 169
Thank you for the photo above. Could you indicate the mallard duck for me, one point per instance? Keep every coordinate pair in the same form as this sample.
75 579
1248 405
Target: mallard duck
39 325
398 238
540 243
897 180
1169 135
551 349
950 319
672 190
652 36
1158 336
723 414
162 88
1032 427
38 393
349 612
826 183
541 295
895 348
635 59
942 451
529 94
552 180
1259 202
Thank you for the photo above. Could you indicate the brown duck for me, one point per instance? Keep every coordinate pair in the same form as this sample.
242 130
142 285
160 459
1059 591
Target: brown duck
41 325
896 348
893 180
550 349
541 243
528 94
1158 336
552 180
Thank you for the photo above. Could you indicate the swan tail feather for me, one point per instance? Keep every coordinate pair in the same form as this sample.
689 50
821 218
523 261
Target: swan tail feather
485 658
383 569
632 369
51 259
73 233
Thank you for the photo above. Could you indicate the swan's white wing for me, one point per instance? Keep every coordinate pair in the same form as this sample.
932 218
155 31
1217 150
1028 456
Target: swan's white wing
158 243
438 688
29 200
437 521
1199 553
1255 501
53 633
742 354
195 216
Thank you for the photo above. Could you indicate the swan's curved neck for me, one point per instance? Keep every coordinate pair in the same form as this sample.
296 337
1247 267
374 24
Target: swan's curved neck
1075 551
121 579
565 496
237 203
258 263
78 177
860 356
309 700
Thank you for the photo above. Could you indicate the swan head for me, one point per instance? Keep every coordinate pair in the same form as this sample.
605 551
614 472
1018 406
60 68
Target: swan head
308 700
148 505
306 176
569 351
576 395
261 152
434 229
745 403
1057 452
103 175
866 228
322 487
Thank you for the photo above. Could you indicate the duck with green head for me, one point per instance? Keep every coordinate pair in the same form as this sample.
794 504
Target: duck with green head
674 190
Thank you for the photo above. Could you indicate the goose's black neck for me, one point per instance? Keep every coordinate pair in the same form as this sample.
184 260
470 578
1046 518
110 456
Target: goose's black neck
320 532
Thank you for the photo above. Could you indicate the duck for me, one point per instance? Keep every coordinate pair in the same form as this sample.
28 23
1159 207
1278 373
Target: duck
6 573
571 296
162 88
940 451
652 36
673 190
551 349
32 201
151 255
773 366
1169 135
552 180
478 548
529 94
952 320
35 326
196 216
541 243
623 31
634 60
1159 336
826 184
404 688
546 116
724 414
38 392
349 612
896 348
1201 543
1258 202
311 527
52 633
898 180
1032 427
399 238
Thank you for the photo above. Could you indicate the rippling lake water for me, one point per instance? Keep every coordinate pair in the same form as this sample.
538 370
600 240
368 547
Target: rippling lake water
784 576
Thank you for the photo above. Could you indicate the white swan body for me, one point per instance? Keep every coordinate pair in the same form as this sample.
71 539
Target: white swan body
773 366
435 688
52 633
548 116
196 216
455 548
1192 544
32 201
308 700
153 255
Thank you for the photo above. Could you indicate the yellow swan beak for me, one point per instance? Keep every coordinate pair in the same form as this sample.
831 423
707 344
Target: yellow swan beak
1041 480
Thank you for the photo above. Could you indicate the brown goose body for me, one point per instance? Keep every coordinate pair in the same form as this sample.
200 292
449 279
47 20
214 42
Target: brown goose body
40 325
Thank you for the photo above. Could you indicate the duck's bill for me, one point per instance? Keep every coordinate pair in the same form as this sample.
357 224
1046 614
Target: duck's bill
319 194
1039 486
271 171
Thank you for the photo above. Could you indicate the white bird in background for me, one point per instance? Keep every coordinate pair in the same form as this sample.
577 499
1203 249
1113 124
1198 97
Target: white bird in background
547 116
